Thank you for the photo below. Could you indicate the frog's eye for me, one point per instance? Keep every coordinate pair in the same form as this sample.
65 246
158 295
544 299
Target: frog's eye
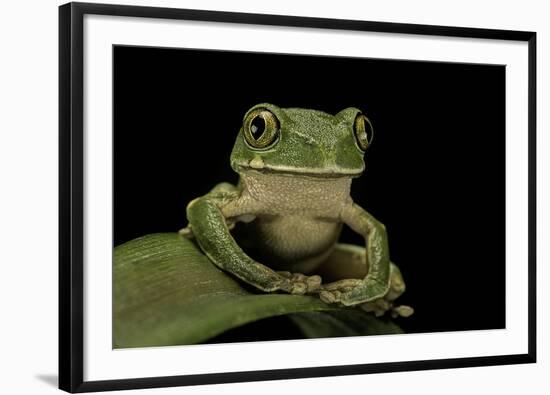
261 128
362 128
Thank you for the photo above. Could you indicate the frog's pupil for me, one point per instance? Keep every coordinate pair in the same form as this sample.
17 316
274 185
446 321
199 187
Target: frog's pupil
257 127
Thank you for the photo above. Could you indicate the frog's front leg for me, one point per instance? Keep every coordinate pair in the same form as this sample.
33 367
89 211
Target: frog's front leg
222 193
376 284
346 266
210 230
387 303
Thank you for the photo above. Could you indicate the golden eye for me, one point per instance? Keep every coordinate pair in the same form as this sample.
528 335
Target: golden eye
261 128
362 129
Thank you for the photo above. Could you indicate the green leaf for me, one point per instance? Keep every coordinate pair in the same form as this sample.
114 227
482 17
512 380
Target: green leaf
343 322
167 292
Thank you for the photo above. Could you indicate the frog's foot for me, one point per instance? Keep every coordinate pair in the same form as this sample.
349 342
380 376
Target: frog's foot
381 306
187 232
300 284
402 311
378 307
335 291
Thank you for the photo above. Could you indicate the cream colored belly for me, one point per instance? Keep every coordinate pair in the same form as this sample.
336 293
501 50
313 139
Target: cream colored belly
293 242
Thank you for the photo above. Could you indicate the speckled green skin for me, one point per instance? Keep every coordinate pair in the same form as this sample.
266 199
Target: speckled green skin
311 142
293 198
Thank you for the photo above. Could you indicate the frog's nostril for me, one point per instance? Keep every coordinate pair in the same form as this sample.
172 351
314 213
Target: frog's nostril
257 162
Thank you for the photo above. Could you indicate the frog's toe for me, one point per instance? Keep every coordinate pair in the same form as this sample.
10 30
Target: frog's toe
300 283
378 307
187 232
285 274
402 311
330 296
327 297
313 283
345 285
298 288
298 277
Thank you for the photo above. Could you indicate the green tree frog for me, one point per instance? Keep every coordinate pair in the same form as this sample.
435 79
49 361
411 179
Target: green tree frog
295 170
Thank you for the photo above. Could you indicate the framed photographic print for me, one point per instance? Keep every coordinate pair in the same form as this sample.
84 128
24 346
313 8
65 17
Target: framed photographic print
359 195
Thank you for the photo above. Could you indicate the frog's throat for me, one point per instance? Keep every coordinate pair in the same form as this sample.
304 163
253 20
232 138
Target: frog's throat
309 173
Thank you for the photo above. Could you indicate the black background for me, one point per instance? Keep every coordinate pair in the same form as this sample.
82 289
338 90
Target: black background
435 172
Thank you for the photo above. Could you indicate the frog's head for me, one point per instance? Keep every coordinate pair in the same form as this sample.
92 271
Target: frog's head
302 142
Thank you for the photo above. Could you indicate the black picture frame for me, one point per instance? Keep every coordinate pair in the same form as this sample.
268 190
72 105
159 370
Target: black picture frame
71 195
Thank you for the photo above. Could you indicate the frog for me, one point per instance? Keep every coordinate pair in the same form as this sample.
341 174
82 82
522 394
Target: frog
278 228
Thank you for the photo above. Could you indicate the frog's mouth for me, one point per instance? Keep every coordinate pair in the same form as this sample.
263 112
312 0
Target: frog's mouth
297 172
